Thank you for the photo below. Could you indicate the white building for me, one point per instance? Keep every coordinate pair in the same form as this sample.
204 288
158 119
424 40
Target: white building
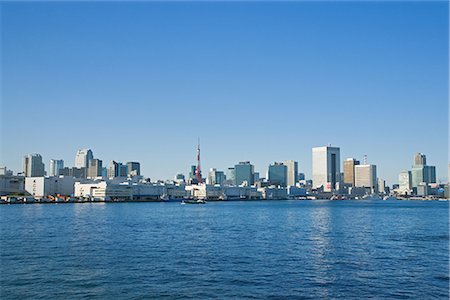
82 158
33 165
326 169
55 166
366 176
405 182
40 187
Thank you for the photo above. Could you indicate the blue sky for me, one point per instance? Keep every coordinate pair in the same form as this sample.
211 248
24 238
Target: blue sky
255 81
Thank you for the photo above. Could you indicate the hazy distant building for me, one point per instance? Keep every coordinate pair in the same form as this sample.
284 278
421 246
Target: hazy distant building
215 177
73 172
5 172
404 182
381 185
95 168
133 168
55 166
420 159
292 172
83 157
244 172
366 176
277 174
33 165
230 178
326 167
192 172
349 171
116 169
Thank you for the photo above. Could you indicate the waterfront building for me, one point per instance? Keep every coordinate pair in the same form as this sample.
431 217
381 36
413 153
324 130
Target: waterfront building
40 187
244 173
83 157
366 176
10 184
95 168
55 166
421 172
33 165
404 182
292 172
277 174
133 168
349 171
326 167
381 185
215 177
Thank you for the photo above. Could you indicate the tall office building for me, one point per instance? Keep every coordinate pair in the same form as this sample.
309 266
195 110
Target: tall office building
277 174
95 168
83 157
381 185
215 177
55 166
133 168
292 172
116 169
326 168
244 172
366 176
405 182
349 171
192 172
420 159
33 165
421 172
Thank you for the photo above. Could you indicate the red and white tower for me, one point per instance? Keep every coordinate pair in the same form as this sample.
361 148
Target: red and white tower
198 171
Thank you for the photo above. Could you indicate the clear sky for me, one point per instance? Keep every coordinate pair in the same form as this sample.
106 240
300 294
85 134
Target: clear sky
260 81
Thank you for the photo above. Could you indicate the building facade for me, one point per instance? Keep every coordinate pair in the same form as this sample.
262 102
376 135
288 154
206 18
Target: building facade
133 168
277 174
292 172
349 171
244 173
55 166
326 167
95 168
83 157
33 165
366 177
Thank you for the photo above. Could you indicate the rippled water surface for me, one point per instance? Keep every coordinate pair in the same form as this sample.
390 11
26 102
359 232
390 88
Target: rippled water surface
265 249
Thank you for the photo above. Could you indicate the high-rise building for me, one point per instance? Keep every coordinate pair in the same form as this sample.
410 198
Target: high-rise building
73 172
95 168
192 172
55 166
244 172
349 171
133 168
33 165
116 169
230 178
216 177
83 157
404 182
326 167
277 174
366 176
420 159
292 172
381 185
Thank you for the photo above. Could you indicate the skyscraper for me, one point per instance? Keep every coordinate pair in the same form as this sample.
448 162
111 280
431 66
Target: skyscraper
33 165
326 168
244 172
366 176
292 172
83 157
55 166
420 159
404 182
349 171
95 168
216 177
133 168
277 174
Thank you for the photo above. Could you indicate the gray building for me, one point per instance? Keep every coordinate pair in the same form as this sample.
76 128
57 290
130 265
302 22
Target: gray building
55 166
292 172
216 177
73 172
95 168
133 168
33 165
116 169
277 174
244 172
83 157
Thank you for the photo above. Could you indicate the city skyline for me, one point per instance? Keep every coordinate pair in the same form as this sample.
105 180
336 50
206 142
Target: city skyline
356 75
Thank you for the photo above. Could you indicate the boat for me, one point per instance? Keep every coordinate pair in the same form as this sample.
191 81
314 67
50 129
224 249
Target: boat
199 201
